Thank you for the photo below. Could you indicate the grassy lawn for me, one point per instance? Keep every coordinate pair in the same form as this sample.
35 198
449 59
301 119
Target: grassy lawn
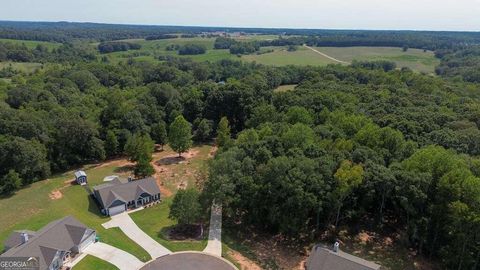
285 88
35 206
92 262
31 44
413 58
281 57
34 209
27 67
154 221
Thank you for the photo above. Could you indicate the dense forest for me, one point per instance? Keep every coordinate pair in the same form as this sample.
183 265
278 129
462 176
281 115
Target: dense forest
363 144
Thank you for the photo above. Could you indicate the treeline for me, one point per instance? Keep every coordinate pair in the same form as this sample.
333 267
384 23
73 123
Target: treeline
66 116
419 40
462 63
117 46
67 32
67 52
160 36
236 47
351 147
191 49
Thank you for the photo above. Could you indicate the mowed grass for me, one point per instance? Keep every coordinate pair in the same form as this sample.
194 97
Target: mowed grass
32 208
155 222
31 44
413 58
26 67
285 88
281 57
92 262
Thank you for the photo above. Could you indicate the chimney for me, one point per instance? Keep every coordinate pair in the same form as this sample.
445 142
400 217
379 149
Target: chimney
24 237
336 246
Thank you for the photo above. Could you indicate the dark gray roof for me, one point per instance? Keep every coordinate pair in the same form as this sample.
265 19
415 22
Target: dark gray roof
118 191
15 238
59 235
323 258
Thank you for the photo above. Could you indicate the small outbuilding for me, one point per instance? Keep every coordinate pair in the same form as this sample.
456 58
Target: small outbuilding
81 177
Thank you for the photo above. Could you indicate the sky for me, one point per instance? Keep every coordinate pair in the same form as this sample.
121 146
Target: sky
455 15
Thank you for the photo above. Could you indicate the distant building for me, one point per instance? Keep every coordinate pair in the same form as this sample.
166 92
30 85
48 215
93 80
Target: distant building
81 177
55 244
116 196
324 258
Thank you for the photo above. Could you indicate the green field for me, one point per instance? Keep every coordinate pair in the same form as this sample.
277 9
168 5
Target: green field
27 67
31 43
285 88
413 58
281 57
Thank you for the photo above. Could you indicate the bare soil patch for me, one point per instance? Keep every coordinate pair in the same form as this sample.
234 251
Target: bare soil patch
244 262
55 195
213 151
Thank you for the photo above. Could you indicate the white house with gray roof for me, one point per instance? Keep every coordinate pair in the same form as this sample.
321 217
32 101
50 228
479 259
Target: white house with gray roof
116 196
54 244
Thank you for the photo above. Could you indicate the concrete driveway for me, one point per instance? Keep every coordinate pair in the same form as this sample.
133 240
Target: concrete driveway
128 226
121 259
214 245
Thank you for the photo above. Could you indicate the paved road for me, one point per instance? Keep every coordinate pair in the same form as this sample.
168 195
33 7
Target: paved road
214 245
326 55
128 226
121 259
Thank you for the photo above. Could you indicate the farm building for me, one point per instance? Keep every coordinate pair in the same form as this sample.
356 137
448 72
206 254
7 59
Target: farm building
324 258
55 244
116 196
81 177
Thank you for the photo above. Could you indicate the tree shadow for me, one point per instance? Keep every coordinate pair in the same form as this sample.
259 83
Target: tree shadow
169 160
182 232
124 169
94 207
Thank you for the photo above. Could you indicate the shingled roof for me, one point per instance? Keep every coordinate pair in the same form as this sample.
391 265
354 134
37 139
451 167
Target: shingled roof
59 235
115 190
323 258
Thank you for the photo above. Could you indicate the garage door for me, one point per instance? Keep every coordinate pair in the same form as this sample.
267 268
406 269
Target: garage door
116 209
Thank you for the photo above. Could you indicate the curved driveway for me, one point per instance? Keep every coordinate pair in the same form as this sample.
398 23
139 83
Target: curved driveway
128 226
121 259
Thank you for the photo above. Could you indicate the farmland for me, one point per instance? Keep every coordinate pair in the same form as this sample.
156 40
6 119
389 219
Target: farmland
415 59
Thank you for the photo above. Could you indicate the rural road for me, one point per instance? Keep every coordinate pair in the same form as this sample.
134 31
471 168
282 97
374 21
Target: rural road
214 245
326 55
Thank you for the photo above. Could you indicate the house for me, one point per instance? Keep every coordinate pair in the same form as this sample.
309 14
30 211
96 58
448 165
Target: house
116 196
81 177
54 244
324 258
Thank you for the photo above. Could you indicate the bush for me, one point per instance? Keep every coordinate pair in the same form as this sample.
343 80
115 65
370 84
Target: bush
192 49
